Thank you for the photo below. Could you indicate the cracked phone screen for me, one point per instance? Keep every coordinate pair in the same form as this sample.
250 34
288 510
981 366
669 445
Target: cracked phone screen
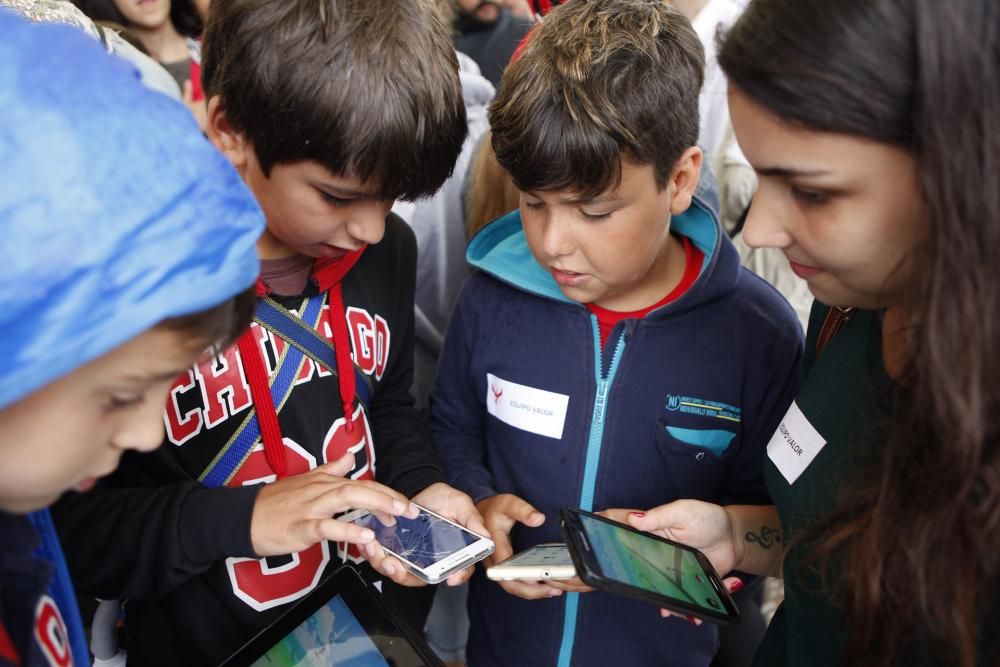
422 541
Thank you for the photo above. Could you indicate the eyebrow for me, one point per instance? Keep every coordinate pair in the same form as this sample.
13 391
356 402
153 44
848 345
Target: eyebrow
159 377
346 193
599 199
789 172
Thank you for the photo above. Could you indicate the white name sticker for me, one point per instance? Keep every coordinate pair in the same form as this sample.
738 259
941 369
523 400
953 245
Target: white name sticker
529 409
794 445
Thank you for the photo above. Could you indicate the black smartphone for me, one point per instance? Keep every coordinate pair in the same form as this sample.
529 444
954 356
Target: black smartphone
620 559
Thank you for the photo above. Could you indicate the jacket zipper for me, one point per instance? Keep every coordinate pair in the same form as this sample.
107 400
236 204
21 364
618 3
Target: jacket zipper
590 470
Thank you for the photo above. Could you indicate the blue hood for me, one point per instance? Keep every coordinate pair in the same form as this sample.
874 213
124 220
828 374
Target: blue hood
115 211
501 250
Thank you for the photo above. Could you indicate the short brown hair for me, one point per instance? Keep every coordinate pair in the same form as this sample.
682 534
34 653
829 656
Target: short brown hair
219 326
596 81
367 89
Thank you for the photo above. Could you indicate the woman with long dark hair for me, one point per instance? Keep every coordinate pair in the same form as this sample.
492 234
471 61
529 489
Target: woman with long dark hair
870 124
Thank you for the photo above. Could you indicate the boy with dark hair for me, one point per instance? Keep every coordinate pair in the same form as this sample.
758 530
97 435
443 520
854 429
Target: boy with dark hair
610 353
329 110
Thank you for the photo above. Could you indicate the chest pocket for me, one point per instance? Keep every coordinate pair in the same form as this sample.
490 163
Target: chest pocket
687 462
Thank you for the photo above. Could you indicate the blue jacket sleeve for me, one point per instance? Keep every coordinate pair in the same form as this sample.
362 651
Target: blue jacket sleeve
458 414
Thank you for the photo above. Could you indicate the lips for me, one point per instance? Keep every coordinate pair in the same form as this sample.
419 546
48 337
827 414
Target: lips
332 251
568 278
804 271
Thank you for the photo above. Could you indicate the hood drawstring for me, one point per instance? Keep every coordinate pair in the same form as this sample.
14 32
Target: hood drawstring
260 391
337 320
326 275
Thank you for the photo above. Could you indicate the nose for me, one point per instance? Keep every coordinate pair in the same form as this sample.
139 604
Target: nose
143 430
766 224
367 223
557 238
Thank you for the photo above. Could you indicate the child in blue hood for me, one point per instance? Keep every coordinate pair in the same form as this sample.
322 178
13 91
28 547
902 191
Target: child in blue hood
121 262
610 353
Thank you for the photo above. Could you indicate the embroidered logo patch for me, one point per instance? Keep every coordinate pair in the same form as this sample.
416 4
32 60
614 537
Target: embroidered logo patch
703 407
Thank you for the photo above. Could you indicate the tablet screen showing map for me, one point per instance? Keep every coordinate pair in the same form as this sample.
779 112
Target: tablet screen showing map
331 636
650 564
344 621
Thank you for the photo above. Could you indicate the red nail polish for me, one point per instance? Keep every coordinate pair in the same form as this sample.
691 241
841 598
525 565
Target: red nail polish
637 513
737 585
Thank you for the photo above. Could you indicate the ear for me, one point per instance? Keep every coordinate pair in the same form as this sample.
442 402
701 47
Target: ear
230 142
684 179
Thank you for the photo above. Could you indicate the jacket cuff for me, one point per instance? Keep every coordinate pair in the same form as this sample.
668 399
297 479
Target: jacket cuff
416 480
475 484
215 523
482 493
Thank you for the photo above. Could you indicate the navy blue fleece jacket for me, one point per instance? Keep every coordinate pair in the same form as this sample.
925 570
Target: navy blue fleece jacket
679 404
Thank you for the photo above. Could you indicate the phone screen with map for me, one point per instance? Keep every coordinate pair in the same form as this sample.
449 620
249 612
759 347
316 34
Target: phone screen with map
430 546
618 558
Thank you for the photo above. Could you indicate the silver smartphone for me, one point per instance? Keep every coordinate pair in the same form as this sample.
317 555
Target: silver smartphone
551 560
430 546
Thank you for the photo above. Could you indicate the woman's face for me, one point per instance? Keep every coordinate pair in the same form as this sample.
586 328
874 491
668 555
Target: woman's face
846 211
144 14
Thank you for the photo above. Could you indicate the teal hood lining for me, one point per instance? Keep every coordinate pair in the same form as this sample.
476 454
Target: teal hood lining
501 249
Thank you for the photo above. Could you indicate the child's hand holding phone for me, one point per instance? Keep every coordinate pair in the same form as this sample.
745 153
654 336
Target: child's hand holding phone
449 503
549 563
500 513
430 547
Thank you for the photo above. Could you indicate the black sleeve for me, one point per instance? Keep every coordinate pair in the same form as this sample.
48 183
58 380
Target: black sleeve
142 532
458 418
406 459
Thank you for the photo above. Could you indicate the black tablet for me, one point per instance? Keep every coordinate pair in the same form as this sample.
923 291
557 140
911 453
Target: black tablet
344 621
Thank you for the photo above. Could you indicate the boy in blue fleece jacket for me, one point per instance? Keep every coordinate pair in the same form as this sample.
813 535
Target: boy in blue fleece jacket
610 353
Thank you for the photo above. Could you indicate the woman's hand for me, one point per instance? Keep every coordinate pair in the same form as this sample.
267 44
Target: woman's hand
704 526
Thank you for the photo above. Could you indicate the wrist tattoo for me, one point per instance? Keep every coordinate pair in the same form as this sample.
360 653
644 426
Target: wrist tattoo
766 538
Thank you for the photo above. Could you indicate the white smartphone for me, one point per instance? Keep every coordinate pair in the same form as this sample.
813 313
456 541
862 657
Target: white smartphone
551 560
430 546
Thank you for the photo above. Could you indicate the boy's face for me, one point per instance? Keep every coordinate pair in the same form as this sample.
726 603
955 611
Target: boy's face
615 250
309 210
144 14
846 211
73 430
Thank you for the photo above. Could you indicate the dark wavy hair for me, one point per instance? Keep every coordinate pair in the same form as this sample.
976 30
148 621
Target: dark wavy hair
917 536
